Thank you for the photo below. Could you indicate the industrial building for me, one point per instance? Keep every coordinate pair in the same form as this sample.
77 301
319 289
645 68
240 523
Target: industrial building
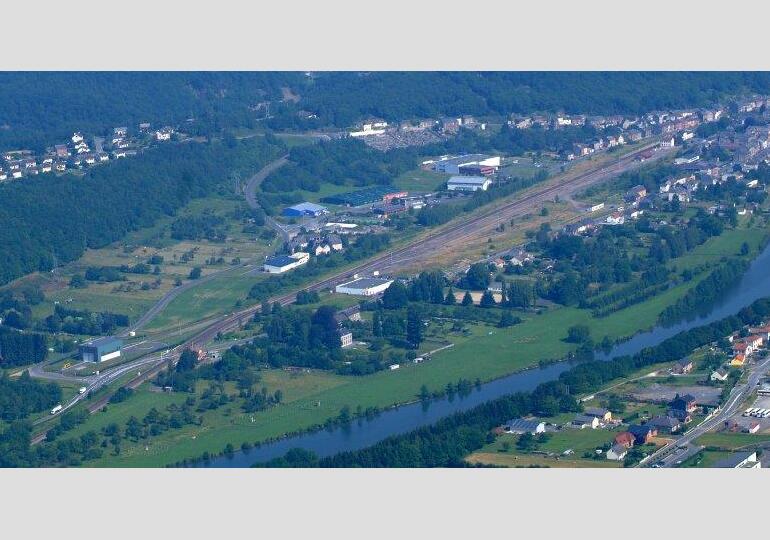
283 263
100 349
468 183
364 286
468 164
374 194
305 209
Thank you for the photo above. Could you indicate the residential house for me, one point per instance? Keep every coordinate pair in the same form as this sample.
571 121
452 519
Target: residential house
685 403
615 218
346 339
665 424
763 331
604 415
642 434
583 421
720 375
617 452
625 438
740 460
682 367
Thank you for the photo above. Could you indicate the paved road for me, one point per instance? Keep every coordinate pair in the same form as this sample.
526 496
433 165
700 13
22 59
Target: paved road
250 192
167 298
681 446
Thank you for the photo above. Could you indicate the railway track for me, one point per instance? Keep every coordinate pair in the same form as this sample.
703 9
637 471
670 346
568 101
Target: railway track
394 260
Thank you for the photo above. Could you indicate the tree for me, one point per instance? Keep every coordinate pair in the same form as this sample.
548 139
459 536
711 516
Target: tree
507 319
477 276
413 327
324 328
450 299
195 273
187 361
578 333
467 299
395 296
377 324
487 300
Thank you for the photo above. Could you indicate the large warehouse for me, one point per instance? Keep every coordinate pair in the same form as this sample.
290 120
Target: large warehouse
364 286
465 164
283 263
100 349
468 183
305 209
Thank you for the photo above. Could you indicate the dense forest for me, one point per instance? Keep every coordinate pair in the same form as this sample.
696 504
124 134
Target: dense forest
343 98
39 109
57 218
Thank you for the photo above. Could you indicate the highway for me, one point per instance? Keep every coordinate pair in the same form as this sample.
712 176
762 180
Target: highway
678 450
461 230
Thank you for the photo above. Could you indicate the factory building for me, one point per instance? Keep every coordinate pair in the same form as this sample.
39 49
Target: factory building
468 164
305 209
100 349
364 286
468 183
279 264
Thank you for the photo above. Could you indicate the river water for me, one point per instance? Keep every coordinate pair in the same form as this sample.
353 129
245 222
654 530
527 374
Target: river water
362 433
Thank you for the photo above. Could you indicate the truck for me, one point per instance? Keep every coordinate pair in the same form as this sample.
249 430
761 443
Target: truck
56 409
82 390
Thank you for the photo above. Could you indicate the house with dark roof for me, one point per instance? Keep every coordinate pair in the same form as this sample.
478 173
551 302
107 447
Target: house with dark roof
642 434
685 403
521 426
665 424
740 460
583 421
601 413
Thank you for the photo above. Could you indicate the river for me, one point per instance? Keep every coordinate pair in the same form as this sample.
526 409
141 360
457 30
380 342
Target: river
362 433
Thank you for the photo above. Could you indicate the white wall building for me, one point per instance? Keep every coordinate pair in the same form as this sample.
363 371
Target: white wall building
468 183
364 286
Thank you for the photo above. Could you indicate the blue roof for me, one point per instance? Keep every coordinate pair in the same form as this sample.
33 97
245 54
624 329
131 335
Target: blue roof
280 260
306 208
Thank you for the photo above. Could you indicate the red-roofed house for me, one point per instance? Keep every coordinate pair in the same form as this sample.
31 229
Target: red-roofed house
625 438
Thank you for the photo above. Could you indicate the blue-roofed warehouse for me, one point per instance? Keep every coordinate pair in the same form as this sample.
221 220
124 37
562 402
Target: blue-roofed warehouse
305 209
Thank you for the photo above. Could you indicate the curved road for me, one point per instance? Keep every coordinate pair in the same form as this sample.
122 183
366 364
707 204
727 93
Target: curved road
249 193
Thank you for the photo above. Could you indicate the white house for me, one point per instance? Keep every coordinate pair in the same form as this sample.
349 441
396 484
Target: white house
617 452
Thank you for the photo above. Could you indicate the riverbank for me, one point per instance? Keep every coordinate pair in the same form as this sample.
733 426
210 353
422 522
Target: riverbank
490 354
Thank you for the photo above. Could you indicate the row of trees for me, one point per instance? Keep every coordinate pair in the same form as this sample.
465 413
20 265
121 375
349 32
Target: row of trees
446 443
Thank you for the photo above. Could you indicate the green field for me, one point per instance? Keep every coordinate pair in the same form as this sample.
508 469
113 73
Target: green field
503 452
486 353
420 180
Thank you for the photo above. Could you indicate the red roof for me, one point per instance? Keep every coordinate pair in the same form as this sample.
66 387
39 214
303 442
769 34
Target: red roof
625 438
